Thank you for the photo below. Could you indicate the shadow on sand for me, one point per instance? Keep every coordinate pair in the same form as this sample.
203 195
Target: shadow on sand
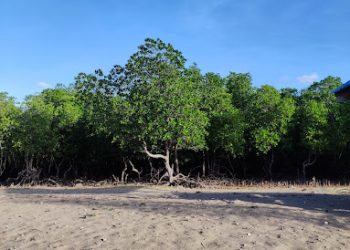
73 191
328 203
313 208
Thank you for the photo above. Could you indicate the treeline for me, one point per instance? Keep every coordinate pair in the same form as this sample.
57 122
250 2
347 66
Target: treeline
157 119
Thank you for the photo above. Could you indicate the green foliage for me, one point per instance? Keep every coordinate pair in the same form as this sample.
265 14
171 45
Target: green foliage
271 115
163 102
66 111
34 135
43 121
324 121
226 122
226 132
8 113
314 121
241 89
289 93
94 127
95 93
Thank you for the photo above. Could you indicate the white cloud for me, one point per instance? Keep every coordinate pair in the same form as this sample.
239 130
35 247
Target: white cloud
307 79
44 85
202 14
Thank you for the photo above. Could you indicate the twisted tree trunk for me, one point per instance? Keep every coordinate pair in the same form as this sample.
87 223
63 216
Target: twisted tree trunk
122 178
133 169
308 162
165 158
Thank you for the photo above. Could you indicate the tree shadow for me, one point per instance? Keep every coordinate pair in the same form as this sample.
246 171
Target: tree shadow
72 191
335 207
338 204
297 207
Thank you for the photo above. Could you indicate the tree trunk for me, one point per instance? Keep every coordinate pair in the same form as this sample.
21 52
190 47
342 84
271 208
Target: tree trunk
272 160
135 170
214 161
308 162
244 168
58 168
51 162
230 164
122 178
169 169
154 172
203 165
29 163
268 164
66 172
57 172
165 158
177 167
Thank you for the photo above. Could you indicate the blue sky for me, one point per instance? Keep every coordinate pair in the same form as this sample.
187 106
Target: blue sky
282 43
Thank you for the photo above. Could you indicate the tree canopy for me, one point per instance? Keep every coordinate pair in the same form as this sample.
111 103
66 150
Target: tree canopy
158 119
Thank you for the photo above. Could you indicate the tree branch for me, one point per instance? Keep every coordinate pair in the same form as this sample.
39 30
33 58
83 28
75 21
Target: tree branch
156 156
135 169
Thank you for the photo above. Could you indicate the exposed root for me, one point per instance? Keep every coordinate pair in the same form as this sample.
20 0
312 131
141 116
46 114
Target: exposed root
29 176
185 181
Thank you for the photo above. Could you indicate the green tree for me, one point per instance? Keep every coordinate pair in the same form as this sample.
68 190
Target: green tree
226 122
271 115
8 113
324 122
164 103
66 115
289 93
240 87
40 133
95 93
34 138
314 127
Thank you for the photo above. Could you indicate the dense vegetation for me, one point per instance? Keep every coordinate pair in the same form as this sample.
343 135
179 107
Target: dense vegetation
155 118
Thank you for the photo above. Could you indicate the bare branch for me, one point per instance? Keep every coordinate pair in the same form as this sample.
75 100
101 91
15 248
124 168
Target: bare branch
135 169
314 160
156 156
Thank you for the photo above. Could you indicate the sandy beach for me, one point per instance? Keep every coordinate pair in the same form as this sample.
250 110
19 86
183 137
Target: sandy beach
136 217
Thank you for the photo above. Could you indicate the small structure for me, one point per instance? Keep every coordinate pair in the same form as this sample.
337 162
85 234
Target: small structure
343 92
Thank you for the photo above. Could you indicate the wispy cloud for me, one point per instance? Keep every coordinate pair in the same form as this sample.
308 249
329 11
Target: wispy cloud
307 79
44 85
203 14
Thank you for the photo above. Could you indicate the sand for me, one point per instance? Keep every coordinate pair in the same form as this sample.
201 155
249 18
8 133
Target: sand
174 218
